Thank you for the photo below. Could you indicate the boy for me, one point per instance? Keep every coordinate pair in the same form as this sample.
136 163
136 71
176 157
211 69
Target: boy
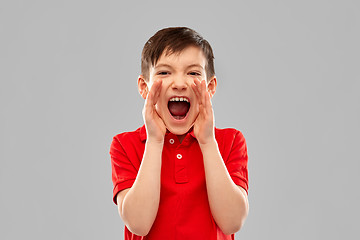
177 176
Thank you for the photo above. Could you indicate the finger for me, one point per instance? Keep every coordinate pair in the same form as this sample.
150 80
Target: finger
154 93
208 105
195 88
200 97
203 92
199 90
157 91
207 99
149 105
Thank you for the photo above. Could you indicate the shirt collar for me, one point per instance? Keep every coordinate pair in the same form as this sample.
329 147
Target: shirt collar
143 136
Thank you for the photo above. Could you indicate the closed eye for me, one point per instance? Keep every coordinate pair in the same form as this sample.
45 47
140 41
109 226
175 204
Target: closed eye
195 73
162 73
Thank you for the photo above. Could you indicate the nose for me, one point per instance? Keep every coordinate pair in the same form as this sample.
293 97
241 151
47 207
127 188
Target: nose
180 83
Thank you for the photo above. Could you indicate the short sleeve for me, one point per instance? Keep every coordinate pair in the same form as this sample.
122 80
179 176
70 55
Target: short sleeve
237 161
123 171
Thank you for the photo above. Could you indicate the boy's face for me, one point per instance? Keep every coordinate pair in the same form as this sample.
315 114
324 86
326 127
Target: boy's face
177 72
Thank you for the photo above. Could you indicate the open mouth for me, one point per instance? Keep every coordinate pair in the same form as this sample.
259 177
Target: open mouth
179 107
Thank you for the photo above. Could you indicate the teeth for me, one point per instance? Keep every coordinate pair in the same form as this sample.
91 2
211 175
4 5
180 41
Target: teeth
179 99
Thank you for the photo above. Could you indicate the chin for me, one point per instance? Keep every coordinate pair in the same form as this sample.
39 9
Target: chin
180 130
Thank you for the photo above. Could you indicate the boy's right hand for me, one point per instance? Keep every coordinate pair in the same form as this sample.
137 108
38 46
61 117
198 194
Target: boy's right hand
155 127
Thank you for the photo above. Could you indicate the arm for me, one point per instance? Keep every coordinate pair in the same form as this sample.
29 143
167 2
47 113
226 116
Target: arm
139 204
228 202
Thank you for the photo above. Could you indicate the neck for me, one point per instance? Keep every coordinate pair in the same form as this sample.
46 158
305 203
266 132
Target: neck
181 137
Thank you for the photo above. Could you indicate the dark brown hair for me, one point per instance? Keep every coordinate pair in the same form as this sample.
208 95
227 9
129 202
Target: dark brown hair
174 40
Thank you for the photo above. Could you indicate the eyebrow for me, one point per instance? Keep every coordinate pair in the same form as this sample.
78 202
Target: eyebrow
169 66
163 65
195 65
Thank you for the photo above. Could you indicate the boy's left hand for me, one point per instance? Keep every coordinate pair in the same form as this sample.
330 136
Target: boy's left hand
204 123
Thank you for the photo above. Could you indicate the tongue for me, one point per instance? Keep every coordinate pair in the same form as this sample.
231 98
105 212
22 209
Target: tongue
178 108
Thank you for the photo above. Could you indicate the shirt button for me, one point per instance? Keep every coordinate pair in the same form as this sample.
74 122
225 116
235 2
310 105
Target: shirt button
171 141
179 156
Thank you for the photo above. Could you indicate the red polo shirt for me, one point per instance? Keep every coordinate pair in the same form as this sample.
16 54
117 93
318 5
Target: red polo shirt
184 211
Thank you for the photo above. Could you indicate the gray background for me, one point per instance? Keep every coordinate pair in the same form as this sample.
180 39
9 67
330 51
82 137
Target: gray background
288 78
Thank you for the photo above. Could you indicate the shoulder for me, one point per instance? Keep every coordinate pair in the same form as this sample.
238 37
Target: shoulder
128 139
228 134
130 135
231 142
229 139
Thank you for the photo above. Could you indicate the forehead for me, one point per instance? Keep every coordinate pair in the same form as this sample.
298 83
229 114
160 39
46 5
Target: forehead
191 55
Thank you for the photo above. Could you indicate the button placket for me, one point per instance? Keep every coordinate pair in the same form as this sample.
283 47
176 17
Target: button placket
181 175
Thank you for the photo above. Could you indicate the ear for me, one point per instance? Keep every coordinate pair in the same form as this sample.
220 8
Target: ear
211 86
143 87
